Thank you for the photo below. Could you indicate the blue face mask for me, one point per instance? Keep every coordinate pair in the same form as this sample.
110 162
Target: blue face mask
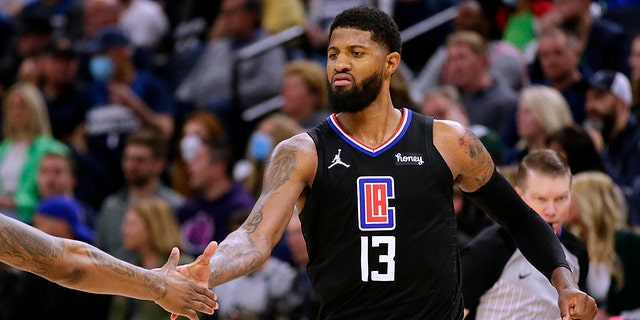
101 68
260 146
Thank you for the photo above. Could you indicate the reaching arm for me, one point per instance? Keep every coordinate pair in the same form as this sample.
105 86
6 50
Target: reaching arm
475 174
80 266
289 172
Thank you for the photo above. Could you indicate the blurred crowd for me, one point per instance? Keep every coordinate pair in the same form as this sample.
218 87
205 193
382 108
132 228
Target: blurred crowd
140 125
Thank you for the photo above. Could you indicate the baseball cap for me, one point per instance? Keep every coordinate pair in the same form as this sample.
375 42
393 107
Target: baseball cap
614 82
69 210
105 39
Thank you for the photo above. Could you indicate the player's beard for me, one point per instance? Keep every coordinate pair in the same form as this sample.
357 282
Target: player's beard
358 97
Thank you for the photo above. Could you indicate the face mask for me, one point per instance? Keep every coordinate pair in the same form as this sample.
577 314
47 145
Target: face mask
189 146
101 68
260 146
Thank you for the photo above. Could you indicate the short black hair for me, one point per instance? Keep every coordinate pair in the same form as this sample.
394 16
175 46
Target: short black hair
383 28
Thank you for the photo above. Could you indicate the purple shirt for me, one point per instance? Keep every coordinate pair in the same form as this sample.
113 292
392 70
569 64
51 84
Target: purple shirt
203 221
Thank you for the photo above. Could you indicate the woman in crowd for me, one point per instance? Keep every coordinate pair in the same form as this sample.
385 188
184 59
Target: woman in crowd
27 138
614 263
151 230
197 127
541 112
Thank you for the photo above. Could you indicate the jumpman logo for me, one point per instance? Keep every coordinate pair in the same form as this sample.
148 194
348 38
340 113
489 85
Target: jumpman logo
336 160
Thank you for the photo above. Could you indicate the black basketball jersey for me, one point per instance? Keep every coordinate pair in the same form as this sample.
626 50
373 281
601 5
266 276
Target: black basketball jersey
380 226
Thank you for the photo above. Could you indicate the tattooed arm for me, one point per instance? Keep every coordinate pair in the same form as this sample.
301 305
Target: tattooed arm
473 170
469 161
289 172
80 266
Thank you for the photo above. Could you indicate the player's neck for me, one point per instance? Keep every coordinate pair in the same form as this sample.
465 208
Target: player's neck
374 125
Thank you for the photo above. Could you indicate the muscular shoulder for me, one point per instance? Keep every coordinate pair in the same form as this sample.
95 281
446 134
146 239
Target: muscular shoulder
296 157
464 153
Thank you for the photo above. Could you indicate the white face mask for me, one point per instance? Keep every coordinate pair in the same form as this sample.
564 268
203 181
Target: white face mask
189 146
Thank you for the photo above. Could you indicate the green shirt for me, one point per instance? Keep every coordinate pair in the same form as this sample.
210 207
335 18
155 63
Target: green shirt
27 196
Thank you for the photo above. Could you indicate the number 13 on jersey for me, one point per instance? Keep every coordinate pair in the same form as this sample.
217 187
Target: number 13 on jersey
375 214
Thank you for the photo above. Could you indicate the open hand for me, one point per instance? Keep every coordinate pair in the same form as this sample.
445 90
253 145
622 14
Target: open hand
199 270
181 295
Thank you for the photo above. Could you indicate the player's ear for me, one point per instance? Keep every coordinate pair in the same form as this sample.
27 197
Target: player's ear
392 62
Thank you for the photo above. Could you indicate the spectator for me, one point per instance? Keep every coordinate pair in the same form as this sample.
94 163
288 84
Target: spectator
541 112
559 57
65 16
506 64
487 101
124 100
270 131
98 14
198 126
520 28
304 93
59 216
143 162
31 33
576 145
608 110
444 103
605 44
56 177
613 279
27 139
190 22
149 229
67 99
205 216
494 269
234 85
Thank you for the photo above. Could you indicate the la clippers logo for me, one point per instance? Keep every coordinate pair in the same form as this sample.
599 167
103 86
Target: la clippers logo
374 211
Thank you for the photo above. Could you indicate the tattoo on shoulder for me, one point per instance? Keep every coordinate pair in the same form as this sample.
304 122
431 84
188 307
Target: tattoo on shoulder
282 165
474 144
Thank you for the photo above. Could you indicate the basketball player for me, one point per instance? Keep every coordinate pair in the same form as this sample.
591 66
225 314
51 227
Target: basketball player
80 266
373 185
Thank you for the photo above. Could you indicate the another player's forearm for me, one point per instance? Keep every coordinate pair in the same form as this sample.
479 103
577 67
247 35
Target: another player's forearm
74 264
236 256
95 271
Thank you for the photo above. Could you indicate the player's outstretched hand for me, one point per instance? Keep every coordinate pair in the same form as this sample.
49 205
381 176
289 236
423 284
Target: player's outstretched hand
575 304
199 270
182 296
